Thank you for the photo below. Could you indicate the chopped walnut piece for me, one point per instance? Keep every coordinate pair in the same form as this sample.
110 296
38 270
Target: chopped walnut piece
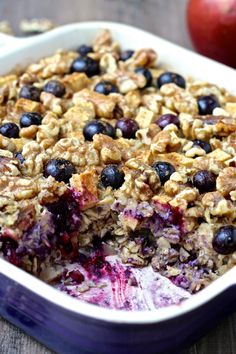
226 181
133 99
57 64
217 204
108 63
9 166
48 131
230 108
144 57
185 196
50 190
111 150
79 153
7 144
141 181
103 39
5 27
36 25
18 188
165 141
153 102
51 103
34 157
110 155
129 81
29 132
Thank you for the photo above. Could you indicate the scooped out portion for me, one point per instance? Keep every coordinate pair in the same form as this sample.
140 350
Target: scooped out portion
106 282
117 176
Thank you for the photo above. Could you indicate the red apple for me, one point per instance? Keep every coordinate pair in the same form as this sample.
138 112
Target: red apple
212 27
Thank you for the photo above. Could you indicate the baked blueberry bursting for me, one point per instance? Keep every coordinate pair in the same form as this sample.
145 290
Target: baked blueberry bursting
224 241
106 87
147 74
55 87
30 118
167 119
97 127
85 65
84 50
169 77
111 176
164 170
126 54
206 104
128 127
10 130
96 265
30 92
66 215
61 169
204 181
203 144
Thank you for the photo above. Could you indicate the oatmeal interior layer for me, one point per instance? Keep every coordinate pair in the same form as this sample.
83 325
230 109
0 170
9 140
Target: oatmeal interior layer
101 145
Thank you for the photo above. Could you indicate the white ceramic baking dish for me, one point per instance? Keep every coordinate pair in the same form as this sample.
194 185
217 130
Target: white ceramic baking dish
67 325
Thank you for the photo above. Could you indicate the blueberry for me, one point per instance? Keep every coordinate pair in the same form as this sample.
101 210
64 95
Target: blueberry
111 176
97 127
146 73
10 130
85 65
55 87
167 119
19 156
84 50
60 169
106 87
204 181
91 128
126 54
169 77
206 104
224 241
128 127
30 118
164 170
30 92
203 144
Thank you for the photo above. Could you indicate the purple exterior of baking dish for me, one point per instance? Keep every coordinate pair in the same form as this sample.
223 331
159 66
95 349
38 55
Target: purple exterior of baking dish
67 332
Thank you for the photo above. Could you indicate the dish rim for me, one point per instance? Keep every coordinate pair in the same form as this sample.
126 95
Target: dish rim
76 306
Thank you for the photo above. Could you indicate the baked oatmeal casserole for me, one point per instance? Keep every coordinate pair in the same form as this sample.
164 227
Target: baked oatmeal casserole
104 148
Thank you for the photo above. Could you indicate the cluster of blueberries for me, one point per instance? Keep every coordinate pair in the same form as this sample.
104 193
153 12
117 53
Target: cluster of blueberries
112 176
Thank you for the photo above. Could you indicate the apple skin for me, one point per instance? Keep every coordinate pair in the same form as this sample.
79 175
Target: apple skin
212 27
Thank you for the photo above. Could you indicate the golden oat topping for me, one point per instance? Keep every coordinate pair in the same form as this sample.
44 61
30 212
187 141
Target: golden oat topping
101 148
